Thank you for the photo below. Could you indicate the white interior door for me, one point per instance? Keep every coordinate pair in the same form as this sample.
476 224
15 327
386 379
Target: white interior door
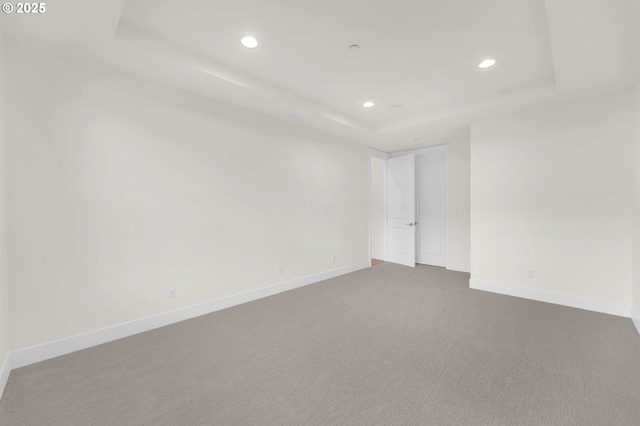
401 199
432 208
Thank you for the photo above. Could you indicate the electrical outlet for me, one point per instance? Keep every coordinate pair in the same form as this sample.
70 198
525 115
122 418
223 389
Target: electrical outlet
280 269
172 292
333 258
532 273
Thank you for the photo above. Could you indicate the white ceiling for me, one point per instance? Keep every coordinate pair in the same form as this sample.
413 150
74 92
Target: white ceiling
421 54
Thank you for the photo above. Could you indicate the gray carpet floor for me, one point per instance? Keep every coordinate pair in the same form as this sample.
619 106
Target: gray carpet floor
387 345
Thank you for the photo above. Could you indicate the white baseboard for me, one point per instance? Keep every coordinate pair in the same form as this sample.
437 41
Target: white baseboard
5 370
459 267
67 345
636 319
585 303
378 255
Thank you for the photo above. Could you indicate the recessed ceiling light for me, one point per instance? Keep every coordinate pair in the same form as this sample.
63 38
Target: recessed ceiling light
487 63
368 104
354 47
249 42
416 139
395 107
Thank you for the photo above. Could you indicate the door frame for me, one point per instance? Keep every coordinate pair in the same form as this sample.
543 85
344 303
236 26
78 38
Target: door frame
374 153
429 150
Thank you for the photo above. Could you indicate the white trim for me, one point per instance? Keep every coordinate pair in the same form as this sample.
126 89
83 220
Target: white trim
636 319
459 267
67 345
5 370
585 303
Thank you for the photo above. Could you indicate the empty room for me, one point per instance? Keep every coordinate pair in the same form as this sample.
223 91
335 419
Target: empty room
297 212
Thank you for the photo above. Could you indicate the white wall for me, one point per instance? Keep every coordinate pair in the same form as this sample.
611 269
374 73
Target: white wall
551 190
378 199
119 189
4 292
459 201
636 215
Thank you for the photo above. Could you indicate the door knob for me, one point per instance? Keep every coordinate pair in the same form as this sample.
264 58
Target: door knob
410 224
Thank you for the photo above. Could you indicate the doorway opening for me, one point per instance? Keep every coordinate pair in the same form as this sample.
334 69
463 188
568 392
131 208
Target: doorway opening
378 207
410 207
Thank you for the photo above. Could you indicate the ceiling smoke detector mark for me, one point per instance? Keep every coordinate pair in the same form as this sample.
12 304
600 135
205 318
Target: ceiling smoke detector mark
416 139
354 47
368 104
487 63
291 116
249 42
